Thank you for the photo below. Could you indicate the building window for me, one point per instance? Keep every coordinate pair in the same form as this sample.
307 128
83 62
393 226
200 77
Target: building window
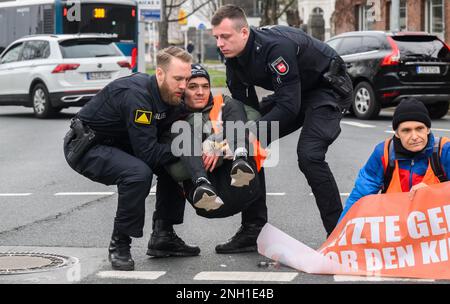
362 22
403 15
434 17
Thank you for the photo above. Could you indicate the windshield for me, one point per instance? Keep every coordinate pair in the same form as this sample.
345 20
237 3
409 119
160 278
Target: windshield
88 48
422 46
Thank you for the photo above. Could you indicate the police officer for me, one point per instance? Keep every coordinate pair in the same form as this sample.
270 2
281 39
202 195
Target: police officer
114 140
311 90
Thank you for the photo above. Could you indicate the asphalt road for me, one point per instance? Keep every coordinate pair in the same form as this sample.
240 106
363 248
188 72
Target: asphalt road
43 208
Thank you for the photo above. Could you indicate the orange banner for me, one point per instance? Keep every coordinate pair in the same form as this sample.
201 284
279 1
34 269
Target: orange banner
392 235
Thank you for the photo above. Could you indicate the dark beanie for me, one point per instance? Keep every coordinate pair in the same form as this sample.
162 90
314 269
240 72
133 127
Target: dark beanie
198 71
411 109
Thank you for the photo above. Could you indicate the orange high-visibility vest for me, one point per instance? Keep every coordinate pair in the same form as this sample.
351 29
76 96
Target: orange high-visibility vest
429 178
215 115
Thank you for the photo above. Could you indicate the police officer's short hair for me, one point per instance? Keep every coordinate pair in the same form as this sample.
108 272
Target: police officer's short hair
232 12
164 56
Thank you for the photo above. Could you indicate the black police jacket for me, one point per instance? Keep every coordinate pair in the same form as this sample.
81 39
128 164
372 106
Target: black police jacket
281 59
130 112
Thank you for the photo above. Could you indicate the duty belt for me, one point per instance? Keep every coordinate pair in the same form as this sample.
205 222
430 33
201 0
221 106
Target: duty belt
81 138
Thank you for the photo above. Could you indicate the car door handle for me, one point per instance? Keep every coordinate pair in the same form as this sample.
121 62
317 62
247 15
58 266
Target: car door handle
348 65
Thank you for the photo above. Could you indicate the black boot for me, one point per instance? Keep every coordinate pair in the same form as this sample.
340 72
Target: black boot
243 241
205 196
164 242
119 252
241 172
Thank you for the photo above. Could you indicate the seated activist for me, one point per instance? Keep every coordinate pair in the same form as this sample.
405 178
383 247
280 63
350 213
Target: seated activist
412 159
221 182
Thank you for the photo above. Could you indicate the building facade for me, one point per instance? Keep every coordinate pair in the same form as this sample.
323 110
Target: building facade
309 9
431 16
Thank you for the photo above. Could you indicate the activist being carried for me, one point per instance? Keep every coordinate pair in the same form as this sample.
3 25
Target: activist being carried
221 179
412 159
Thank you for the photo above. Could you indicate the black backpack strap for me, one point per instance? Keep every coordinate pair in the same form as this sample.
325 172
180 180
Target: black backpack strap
389 168
435 161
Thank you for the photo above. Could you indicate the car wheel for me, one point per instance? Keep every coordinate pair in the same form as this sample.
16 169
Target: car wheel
365 105
438 110
41 102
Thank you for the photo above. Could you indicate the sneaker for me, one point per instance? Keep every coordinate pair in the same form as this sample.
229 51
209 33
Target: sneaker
205 196
241 172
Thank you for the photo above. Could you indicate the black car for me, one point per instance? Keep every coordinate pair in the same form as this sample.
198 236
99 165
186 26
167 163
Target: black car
387 67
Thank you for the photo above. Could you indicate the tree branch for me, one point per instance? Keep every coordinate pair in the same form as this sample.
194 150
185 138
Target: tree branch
170 8
286 8
191 13
177 5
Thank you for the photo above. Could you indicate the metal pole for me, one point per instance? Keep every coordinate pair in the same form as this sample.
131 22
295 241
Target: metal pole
202 47
395 16
154 33
141 47
149 41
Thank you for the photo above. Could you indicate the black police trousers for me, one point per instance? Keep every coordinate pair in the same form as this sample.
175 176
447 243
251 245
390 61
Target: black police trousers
110 165
235 199
319 118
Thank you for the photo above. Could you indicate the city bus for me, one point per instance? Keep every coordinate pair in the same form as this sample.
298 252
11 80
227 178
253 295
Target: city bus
117 18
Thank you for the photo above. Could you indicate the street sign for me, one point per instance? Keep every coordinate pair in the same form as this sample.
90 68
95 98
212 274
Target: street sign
202 26
149 10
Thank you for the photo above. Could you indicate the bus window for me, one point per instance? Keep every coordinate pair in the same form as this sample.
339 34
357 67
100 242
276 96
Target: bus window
3 29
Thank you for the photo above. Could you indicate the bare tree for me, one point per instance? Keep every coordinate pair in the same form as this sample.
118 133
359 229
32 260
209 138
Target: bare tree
168 7
272 10
208 10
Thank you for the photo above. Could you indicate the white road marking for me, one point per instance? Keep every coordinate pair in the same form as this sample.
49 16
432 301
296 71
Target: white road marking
83 193
357 124
133 275
443 130
349 278
15 194
276 193
153 190
245 276
432 129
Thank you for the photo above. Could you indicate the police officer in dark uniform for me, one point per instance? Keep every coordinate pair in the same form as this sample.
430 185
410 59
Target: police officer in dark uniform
114 140
311 90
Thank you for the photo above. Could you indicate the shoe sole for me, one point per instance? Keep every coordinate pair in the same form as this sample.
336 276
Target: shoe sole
208 203
121 267
241 181
163 253
239 250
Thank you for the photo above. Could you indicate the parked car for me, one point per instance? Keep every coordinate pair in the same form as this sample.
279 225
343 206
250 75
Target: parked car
387 67
53 72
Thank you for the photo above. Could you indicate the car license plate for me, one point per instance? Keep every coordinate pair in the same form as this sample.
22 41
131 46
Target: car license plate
428 70
98 75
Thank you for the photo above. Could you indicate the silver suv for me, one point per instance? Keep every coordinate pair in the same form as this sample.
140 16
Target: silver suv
52 72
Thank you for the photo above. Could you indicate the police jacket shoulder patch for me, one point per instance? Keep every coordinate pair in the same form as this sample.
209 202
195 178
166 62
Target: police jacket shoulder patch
280 66
143 117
